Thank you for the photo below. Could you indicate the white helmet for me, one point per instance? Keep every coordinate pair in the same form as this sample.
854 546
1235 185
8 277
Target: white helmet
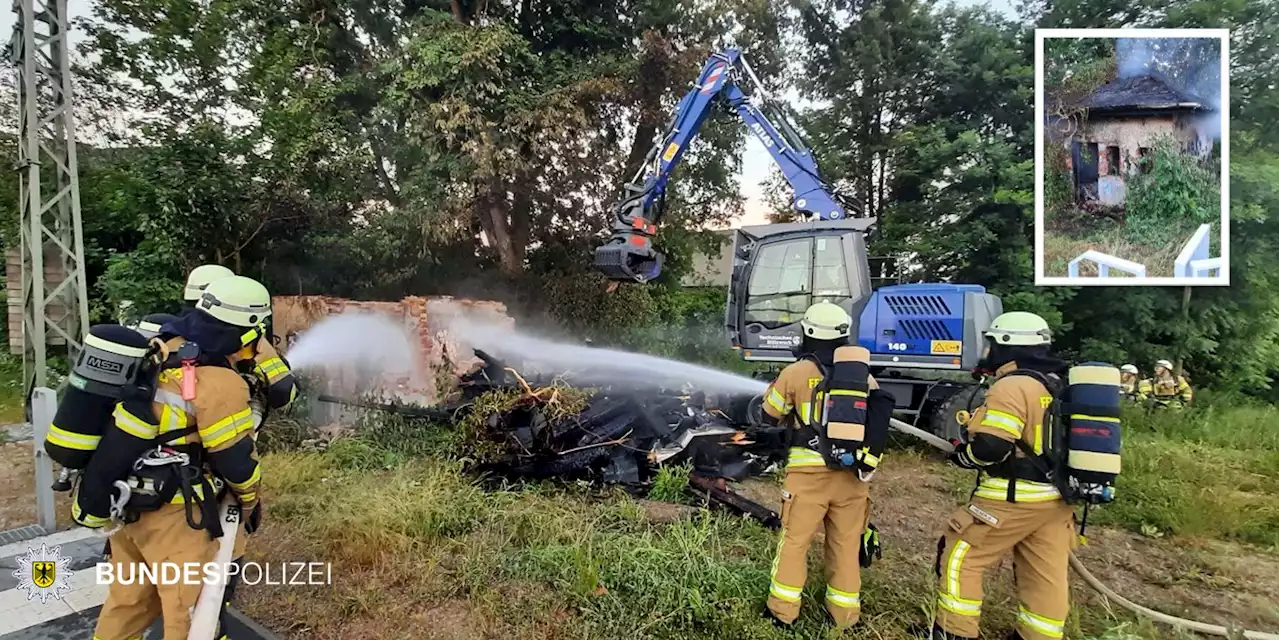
1128 368
1164 363
826 321
236 300
1019 329
200 277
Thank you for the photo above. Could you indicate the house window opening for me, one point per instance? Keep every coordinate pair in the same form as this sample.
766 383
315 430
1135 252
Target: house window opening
1144 159
1113 161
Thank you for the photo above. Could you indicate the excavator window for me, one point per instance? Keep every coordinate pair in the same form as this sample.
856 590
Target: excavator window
830 275
790 275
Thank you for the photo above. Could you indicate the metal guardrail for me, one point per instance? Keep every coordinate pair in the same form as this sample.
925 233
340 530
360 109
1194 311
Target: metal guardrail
1194 261
1106 263
44 404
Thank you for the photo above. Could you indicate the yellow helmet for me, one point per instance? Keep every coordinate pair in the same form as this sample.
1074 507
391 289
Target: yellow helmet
1019 329
200 277
236 300
826 321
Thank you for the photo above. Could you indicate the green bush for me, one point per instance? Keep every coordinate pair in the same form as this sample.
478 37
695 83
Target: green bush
1208 471
1174 195
144 278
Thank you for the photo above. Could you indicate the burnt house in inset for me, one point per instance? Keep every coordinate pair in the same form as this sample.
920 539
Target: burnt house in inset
1122 120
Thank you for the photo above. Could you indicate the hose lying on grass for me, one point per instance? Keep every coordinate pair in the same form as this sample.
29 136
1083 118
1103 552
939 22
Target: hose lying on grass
1092 580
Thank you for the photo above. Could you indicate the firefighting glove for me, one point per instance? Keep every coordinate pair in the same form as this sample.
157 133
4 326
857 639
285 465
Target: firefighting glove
960 457
870 549
254 518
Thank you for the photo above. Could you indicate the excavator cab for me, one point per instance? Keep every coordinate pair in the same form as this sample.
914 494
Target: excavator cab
781 269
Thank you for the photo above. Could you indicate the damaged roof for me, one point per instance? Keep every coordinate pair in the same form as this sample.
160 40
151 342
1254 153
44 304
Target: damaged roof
1140 93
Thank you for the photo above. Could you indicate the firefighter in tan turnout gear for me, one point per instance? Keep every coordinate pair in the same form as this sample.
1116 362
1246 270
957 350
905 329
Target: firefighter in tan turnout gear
1014 507
1167 390
815 495
204 422
1130 386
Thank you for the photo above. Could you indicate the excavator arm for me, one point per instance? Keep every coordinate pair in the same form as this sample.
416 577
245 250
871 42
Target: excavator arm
629 254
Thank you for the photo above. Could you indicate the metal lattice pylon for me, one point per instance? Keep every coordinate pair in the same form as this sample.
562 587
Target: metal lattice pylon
48 192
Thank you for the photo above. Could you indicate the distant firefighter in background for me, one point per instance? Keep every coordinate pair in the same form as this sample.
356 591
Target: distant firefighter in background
1165 389
1130 385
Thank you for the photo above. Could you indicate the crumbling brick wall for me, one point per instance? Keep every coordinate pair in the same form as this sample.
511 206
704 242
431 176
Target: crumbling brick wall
441 358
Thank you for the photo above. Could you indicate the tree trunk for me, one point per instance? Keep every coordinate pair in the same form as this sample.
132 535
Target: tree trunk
522 205
458 14
492 211
1186 324
639 147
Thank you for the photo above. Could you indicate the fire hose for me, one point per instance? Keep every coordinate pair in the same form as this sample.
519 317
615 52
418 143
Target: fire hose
1092 580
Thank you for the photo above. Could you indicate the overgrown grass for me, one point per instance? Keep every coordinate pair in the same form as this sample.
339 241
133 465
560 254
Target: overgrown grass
670 483
11 401
552 561
409 532
1162 209
1209 471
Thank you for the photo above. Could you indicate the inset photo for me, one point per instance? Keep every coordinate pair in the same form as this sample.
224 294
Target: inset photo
1131 157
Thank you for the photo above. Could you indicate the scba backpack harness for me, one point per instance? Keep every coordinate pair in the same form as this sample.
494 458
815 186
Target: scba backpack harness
1081 435
109 401
850 425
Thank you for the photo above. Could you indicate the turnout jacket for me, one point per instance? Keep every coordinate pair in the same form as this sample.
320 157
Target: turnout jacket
223 418
792 394
1014 410
274 374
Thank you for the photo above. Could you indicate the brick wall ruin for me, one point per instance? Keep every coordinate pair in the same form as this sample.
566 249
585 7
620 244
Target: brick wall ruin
440 357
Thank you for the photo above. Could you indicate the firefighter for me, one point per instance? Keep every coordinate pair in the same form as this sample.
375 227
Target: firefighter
1167 390
202 411
275 380
814 495
1130 386
1014 507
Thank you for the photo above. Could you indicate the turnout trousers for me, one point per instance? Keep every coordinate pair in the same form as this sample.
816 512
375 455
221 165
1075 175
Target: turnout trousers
837 501
160 536
1041 536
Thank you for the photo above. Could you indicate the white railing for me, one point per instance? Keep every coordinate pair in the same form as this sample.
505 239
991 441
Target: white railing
1106 263
1194 260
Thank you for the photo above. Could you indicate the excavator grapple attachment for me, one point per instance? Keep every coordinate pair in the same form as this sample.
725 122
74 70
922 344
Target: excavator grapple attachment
624 261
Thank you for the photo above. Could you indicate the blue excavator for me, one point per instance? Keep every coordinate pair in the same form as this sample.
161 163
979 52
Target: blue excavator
924 338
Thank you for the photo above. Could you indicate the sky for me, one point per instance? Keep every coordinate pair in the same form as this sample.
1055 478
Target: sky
756 163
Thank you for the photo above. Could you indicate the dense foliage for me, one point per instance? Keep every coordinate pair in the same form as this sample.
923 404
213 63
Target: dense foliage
473 147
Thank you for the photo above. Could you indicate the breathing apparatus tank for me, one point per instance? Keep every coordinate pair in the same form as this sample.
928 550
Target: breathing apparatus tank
115 365
1089 440
854 425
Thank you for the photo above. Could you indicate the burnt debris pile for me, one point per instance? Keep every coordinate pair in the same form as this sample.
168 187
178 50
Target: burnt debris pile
549 427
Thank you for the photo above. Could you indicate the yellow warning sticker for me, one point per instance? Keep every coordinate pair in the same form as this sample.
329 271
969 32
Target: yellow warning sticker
670 152
944 347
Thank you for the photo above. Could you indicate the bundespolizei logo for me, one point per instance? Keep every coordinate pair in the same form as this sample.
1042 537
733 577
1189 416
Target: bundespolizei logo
44 573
